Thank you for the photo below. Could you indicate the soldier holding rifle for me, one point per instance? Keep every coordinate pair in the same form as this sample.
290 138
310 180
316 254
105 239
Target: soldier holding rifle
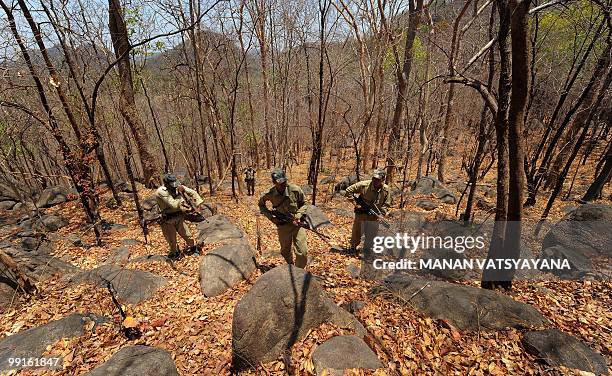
175 201
372 199
287 201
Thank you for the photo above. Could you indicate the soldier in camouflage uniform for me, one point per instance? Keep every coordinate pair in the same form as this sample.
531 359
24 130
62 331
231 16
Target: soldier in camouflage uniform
249 179
376 194
171 198
287 199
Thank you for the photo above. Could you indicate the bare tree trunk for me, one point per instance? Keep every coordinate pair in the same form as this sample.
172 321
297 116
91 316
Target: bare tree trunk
121 45
578 144
595 189
450 101
196 46
157 130
315 161
516 117
586 92
577 123
59 31
489 277
403 74
76 164
482 131
259 17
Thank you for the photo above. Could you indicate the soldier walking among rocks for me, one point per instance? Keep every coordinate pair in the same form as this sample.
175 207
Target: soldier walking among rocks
377 196
171 198
288 200
249 179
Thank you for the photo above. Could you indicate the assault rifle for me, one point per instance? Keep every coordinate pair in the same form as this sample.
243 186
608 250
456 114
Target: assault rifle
286 218
371 210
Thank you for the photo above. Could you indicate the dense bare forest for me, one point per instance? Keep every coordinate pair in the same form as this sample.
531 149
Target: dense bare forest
477 110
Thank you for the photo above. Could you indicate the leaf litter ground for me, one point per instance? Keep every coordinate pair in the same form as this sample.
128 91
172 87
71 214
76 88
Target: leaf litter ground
197 330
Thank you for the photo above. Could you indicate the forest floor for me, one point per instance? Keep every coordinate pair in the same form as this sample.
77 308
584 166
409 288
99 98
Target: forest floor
197 330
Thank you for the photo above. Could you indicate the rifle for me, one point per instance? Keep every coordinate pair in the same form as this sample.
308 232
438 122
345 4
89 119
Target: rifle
371 210
194 214
286 218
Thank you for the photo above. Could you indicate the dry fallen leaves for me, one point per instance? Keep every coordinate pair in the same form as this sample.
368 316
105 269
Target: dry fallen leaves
197 330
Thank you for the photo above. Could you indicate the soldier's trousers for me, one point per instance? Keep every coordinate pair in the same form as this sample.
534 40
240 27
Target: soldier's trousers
250 184
364 225
170 227
290 236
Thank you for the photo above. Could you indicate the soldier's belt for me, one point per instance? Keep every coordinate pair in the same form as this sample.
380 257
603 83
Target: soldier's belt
173 215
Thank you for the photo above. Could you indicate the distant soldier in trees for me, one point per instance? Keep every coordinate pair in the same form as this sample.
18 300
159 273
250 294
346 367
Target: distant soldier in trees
288 206
249 179
172 199
368 195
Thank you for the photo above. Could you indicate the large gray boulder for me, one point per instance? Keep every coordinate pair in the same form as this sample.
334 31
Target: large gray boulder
37 263
33 342
281 307
557 348
52 196
53 222
426 204
328 179
218 228
223 267
150 207
346 182
315 217
7 192
344 352
7 205
427 185
465 307
130 285
119 256
126 187
584 238
307 189
8 294
137 360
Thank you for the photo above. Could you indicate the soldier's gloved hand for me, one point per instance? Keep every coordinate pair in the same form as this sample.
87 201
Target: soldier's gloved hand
181 189
296 222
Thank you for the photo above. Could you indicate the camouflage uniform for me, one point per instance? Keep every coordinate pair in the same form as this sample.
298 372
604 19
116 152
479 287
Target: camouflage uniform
364 223
249 179
171 205
291 202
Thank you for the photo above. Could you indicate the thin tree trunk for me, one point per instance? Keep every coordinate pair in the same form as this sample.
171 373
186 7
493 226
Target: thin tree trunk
576 148
489 277
516 117
595 189
403 74
450 101
121 44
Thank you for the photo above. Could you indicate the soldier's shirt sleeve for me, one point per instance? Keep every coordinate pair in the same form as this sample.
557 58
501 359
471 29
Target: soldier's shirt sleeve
263 209
301 203
356 188
194 197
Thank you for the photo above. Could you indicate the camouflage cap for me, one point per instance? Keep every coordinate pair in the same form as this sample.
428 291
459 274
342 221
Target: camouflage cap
278 175
170 180
379 173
